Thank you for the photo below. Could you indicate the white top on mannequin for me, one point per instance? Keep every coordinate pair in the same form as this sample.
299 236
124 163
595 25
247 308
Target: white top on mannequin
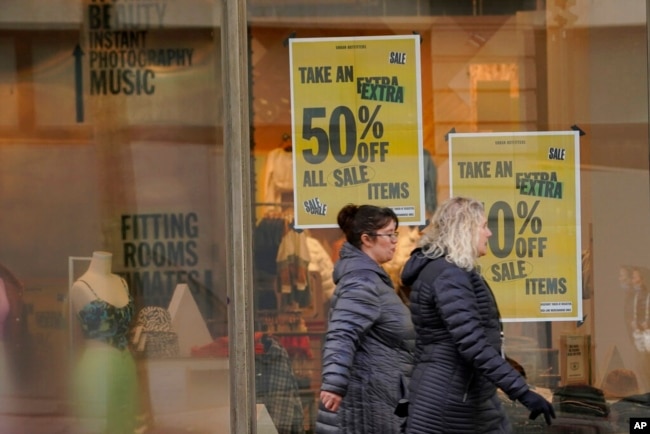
107 286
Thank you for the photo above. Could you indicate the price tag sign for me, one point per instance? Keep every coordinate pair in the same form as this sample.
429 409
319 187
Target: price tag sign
530 185
356 127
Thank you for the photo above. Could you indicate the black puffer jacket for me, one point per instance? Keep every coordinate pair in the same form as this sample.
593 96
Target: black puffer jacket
458 352
367 350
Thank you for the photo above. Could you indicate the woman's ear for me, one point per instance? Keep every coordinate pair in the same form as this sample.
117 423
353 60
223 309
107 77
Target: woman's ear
366 240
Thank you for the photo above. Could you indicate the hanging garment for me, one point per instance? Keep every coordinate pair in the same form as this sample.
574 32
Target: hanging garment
277 387
293 262
278 176
430 183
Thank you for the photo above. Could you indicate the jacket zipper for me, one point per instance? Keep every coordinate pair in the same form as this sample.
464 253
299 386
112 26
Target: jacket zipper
471 377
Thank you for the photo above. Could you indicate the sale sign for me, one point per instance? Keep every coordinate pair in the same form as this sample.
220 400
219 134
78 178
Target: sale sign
356 127
529 183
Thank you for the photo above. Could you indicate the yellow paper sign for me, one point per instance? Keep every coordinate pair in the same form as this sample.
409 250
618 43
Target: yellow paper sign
530 185
356 127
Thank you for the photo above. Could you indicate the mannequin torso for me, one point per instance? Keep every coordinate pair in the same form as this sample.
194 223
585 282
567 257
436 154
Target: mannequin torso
102 303
105 285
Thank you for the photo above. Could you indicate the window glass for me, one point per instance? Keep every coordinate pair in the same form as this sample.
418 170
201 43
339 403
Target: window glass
112 267
517 66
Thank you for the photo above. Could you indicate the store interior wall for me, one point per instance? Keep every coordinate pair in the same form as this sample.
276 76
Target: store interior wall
621 240
613 113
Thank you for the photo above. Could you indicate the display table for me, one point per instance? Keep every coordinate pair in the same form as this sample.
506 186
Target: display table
185 384
193 394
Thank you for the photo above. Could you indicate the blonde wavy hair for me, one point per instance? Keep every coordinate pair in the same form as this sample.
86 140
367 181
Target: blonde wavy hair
453 232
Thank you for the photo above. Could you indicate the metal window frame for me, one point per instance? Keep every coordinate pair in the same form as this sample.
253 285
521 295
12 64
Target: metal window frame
234 58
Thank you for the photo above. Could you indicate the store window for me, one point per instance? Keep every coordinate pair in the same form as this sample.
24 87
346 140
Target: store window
486 67
113 155
113 260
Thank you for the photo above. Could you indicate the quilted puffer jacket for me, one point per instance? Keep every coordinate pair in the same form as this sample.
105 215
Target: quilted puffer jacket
367 353
459 364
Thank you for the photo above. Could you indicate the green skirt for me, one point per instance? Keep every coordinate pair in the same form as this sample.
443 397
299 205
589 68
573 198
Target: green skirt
106 388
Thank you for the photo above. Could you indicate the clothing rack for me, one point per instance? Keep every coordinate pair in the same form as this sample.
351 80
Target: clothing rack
283 213
286 204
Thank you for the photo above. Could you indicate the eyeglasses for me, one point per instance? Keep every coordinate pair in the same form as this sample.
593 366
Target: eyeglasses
393 236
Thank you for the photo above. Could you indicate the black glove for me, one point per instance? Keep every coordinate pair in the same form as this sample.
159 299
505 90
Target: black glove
537 405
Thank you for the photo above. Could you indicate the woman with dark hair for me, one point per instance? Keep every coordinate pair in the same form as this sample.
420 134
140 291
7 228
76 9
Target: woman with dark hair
460 361
367 353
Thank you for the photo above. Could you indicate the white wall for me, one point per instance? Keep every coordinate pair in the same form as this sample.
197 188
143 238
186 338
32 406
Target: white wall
621 234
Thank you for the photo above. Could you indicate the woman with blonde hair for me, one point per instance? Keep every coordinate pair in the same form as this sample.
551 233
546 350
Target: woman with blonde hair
459 358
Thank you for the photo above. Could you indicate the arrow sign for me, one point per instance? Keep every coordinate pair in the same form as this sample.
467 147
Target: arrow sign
78 83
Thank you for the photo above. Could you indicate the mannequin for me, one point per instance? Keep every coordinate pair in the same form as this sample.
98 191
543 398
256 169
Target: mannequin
105 380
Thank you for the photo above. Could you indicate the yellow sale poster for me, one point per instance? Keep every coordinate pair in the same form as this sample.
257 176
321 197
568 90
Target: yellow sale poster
530 185
356 127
